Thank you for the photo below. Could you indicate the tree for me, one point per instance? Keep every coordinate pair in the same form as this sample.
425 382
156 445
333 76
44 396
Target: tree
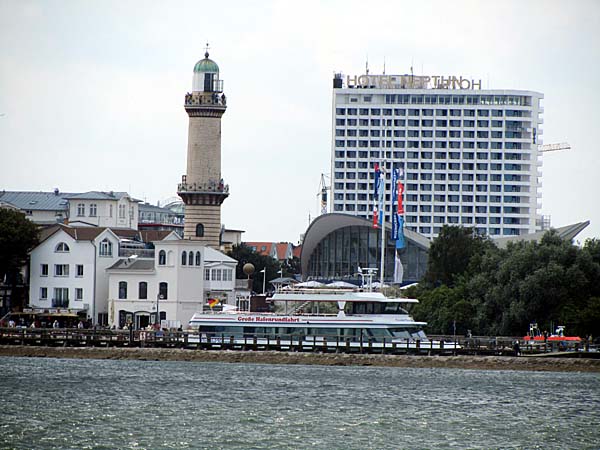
244 254
451 253
18 236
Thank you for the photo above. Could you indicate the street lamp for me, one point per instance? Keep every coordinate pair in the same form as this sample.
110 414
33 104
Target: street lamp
157 323
264 272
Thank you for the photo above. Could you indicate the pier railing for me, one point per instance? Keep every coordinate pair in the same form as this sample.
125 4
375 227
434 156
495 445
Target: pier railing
192 339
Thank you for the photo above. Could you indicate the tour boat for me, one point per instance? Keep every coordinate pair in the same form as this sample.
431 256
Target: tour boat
323 317
535 336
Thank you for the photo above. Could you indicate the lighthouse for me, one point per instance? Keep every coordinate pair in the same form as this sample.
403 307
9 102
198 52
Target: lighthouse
202 188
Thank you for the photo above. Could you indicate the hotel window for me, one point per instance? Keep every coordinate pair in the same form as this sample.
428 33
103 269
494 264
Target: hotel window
44 270
61 270
216 274
79 294
43 293
61 296
62 248
122 290
79 270
80 210
143 290
105 248
93 210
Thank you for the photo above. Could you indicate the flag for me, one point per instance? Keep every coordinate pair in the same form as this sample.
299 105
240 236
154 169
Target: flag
400 189
375 218
400 242
398 269
381 196
212 302
377 206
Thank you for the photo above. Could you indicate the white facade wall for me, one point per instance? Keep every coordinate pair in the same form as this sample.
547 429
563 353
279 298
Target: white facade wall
80 253
102 263
121 213
186 287
470 157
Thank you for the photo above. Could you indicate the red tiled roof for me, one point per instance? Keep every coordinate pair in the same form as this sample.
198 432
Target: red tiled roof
259 246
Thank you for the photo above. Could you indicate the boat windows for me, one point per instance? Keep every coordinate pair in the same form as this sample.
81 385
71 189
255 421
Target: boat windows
374 308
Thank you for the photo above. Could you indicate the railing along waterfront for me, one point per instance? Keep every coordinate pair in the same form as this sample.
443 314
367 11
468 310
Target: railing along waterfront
435 345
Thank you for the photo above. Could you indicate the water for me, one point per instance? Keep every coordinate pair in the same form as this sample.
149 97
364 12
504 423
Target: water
97 404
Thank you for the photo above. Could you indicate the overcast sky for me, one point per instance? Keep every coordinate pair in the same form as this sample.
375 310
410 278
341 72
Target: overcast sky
91 92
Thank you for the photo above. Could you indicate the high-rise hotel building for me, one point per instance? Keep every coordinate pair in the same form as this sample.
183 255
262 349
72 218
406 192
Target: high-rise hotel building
470 156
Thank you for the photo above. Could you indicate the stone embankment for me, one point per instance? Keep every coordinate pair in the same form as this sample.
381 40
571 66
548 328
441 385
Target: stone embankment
531 363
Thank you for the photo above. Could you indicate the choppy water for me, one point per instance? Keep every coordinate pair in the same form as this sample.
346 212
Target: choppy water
95 404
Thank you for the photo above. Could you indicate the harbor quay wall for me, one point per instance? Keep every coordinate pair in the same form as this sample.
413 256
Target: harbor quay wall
527 363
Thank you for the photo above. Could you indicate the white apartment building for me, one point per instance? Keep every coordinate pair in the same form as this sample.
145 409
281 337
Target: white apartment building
470 156
178 282
104 209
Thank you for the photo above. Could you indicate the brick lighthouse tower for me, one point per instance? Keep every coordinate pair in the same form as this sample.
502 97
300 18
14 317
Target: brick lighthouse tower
202 188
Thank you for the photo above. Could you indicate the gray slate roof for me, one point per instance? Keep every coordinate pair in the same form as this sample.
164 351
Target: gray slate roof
98 195
36 201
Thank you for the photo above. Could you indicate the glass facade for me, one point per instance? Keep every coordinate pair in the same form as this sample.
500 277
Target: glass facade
339 254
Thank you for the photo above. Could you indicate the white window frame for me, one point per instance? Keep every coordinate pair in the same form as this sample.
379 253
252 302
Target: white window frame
93 209
105 248
79 294
43 293
79 270
61 270
80 209
43 268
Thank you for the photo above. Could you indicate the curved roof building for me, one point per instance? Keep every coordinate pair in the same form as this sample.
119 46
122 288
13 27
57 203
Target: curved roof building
336 245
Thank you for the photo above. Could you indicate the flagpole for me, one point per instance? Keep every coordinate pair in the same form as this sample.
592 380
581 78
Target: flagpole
382 215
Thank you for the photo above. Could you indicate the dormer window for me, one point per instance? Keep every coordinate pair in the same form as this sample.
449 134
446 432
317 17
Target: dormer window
62 247
105 248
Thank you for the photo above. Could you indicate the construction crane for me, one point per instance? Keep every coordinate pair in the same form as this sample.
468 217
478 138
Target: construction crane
323 188
553 147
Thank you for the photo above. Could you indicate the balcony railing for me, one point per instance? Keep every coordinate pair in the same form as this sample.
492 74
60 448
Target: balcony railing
211 186
139 252
60 303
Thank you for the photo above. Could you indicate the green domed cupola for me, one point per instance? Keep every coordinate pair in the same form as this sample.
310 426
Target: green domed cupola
206 65
206 76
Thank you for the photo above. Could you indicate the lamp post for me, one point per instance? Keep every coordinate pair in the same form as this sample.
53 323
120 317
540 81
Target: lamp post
157 323
264 272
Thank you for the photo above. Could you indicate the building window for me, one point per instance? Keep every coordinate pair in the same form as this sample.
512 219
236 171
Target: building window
163 290
110 210
183 258
121 211
199 230
105 248
198 257
93 210
216 274
122 290
61 297
162 258
80 210
62 248
61 270
227 274
43 293
79 294
44 270
207 274
191 259
143 290
79 270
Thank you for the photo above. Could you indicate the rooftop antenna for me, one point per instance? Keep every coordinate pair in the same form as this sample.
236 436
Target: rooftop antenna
206 50
384 65
367 65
